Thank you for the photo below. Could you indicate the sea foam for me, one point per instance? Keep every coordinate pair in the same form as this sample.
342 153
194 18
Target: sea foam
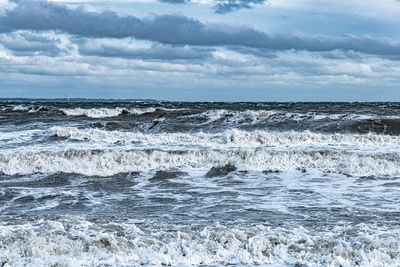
255 116
108 112
76 241
110 162
100 152
236 138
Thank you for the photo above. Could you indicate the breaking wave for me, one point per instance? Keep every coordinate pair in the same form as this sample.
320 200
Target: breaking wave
186 116
76 241
255 116
107 112
103 153
110 162
28 108
235 138
88 112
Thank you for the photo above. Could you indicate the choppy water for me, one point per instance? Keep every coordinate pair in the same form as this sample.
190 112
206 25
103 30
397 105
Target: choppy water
275 184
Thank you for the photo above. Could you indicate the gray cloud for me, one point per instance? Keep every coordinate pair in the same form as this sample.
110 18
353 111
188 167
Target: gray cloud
258 52
27 44
224 6
155 52
178 30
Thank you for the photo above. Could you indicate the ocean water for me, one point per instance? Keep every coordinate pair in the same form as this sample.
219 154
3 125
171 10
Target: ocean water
215 184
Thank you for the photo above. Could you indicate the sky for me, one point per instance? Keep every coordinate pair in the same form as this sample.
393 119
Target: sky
201 50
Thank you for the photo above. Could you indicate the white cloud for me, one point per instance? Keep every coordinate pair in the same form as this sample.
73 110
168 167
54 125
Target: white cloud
289 68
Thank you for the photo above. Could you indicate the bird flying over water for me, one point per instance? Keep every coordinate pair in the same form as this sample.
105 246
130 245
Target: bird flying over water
159 119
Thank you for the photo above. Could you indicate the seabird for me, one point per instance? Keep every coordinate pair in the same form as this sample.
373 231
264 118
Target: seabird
159 119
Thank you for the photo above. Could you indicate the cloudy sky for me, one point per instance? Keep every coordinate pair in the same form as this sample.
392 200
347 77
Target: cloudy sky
206 50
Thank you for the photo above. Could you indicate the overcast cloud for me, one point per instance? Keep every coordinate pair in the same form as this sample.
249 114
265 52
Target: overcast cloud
113 48
177 30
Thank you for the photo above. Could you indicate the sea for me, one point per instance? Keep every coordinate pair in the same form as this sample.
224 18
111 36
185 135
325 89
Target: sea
95 183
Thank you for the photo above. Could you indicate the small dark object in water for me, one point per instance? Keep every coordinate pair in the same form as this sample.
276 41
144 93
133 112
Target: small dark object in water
159 119
125 112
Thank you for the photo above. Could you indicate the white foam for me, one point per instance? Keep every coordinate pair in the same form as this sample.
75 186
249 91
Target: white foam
18 136
255 116
111 162
104 153
106 112
236 138
74 241
20 108
93 113
232 116
28 108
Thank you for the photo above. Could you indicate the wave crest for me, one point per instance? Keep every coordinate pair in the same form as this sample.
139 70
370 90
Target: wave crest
107 112
110 162
235 138
255 116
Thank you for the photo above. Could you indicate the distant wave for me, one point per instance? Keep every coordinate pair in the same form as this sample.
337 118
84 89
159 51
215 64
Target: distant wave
107 112
88 112
255 116
27 108
185 117
212 115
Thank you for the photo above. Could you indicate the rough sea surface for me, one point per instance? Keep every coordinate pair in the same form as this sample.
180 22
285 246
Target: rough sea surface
215 184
